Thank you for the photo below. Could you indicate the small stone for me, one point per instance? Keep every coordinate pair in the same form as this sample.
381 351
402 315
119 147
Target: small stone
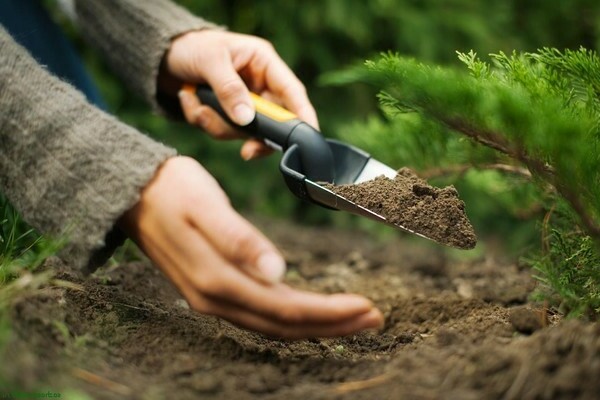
182 304
526 321
206 384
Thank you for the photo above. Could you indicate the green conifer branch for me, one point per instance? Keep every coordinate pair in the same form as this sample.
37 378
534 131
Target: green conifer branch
528 106
541 111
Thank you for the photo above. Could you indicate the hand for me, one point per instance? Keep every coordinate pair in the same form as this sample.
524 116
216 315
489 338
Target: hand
223 266
232 63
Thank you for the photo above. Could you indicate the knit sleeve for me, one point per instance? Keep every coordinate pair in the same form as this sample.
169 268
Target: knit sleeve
70 169
133 37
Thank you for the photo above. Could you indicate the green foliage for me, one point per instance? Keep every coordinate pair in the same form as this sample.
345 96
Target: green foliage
20 246
318 37
538 112
567 265
21 250
570 272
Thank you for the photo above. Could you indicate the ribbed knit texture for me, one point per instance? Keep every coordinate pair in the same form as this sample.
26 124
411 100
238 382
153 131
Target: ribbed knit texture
133 36
66 166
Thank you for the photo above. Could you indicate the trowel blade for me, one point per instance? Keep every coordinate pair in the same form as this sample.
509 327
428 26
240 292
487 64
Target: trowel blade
332 200
373 169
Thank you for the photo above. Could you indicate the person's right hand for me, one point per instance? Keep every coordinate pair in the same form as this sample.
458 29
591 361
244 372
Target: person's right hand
224 266
233 64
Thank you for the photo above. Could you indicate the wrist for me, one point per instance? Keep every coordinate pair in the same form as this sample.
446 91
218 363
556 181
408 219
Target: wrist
167 81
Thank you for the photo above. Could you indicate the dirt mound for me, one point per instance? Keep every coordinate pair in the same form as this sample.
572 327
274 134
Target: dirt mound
410 202
452 331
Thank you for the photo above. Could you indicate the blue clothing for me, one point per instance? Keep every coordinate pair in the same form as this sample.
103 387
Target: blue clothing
30 25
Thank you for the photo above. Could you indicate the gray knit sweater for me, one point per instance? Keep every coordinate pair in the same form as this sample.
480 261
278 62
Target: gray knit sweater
70 169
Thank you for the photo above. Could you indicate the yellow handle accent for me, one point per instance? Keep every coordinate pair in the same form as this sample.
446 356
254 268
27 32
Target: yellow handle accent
263 106
272 110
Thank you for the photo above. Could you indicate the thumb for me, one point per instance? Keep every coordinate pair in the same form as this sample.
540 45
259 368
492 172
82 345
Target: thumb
241 243
231 91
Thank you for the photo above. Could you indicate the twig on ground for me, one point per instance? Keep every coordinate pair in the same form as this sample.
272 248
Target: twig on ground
102 382
360 385
67 285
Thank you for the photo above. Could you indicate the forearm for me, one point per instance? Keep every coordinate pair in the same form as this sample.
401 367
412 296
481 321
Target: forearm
69 168
134 35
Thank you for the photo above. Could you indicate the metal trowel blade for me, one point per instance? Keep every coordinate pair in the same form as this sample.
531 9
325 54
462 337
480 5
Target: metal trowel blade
326 197
352 166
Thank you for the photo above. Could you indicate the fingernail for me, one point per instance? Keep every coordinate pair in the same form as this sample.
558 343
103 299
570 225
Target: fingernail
183 95
247 156
243 114
271 266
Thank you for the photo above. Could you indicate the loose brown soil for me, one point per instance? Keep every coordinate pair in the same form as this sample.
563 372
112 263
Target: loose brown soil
454 330
415 205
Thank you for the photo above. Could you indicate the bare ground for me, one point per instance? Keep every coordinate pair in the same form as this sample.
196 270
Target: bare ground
454 330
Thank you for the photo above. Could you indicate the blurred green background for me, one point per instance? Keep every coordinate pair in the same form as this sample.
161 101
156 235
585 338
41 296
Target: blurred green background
317 37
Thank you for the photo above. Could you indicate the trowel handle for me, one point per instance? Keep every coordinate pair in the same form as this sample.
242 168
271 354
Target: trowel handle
281 129
272 123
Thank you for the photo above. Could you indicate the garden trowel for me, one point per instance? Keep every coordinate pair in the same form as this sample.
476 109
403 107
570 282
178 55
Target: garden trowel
309 160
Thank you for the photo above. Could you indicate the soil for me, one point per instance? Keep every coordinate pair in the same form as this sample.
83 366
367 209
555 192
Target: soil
455 329
416 206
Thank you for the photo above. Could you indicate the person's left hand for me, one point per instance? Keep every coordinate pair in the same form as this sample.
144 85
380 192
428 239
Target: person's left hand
232 64
224 266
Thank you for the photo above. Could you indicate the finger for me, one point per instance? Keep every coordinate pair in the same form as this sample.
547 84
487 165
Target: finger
204 116
221 281
328 311
369 320
285 85
238 242
190 105
276 301
249 320
211 122
291 306
254 148
231 91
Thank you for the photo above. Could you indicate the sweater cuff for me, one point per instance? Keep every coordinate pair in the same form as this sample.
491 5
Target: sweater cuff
91 242
134 36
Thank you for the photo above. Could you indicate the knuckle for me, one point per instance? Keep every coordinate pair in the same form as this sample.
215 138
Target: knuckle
290 315
230 88
197 281
208 285
265 44
214 128
242 242
294 88
189 200
198 305
192 114
297 84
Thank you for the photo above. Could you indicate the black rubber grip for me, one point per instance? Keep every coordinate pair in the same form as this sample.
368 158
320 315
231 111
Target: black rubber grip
315 155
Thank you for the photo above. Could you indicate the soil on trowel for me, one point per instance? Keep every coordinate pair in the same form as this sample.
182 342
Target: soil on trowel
415 205
454 329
